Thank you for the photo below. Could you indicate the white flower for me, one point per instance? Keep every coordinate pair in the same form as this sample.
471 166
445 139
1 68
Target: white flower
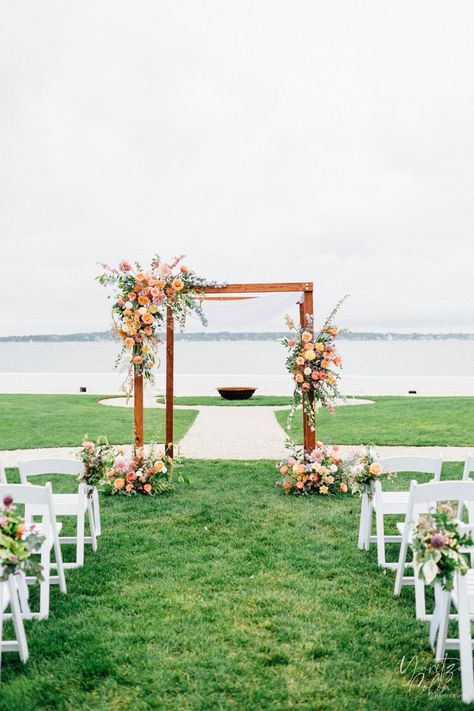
142 310
333 468
307 371
128 305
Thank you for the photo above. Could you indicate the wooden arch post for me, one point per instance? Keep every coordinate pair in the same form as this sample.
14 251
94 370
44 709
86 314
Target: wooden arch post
306 318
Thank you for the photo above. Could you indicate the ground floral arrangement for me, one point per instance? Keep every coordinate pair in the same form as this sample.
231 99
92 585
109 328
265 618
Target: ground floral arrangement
314 365
437 542
18 542
140 300
107 468
318 472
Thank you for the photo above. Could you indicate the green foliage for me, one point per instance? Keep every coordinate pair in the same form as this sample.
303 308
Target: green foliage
61 420
416 421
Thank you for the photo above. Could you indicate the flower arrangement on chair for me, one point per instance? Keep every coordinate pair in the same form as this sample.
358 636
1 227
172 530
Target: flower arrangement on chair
318 472
364 471
314 365
141 298
437 543
18 542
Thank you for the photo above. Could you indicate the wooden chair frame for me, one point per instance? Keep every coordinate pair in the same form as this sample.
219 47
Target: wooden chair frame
306 321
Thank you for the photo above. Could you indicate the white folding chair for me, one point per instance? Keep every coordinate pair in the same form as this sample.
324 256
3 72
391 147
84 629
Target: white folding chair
38 503
423 498
77 504
9 599
386 503
462 597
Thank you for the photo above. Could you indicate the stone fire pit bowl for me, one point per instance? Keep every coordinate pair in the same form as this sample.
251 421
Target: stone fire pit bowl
236 393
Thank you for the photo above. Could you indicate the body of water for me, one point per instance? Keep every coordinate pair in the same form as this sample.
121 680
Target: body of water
370 367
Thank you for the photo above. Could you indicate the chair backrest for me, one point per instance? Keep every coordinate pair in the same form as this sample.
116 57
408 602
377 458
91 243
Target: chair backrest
37 500
432 492
36 467
468 465
3 476
413 463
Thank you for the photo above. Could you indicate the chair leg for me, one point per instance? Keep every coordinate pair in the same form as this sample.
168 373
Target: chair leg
23 595
92 529
465 643
80 538
420 600
379 527
18 620
1 625
96 509
45 583
440 620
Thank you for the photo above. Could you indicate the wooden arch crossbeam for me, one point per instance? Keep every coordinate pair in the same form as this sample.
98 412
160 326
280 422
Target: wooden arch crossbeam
220 293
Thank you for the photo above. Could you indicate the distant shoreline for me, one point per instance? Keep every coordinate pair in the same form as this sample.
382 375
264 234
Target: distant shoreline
100 336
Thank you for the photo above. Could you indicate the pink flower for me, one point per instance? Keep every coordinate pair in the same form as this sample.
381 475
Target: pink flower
292 461
3 522
315 375
125 266
291 343
121 464
306 387
88 445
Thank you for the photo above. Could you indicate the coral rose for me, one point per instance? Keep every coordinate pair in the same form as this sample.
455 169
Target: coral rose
300 360
343 488
140 276
131 296
284 470
306 336
308 346
299 378
299 485
375 469
129 487
128 342
143 300
119 483
147 488
131 476
147 318
138 359
325 364
177 284
334 331
184 269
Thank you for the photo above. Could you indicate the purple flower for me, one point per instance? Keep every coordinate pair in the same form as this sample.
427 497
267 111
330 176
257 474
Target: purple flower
437 540
7 501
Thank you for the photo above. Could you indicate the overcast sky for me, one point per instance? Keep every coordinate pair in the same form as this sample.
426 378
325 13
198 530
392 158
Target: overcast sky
267 140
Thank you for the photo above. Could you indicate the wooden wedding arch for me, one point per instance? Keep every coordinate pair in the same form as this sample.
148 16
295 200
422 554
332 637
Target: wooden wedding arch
306 307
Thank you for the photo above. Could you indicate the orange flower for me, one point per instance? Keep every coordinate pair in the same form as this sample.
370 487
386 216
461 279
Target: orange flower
306 336
334 331
147 488
331 379
20 531
129 487
140 276
284 469
132 296
325 364
138 359
129 342
119 483
147 318
299 378
160 284
147 331
375 469
286 485
184 269
158 466
300 360
337 361
308 346
319 347
143 300
177 284
127 312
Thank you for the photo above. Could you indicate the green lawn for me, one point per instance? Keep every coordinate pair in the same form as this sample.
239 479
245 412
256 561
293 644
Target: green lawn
256 400
62 420
227 595
414 421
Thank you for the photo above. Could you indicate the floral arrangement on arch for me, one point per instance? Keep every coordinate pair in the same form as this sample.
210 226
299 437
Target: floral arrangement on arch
109 468
437 543
364 471
140 300
318 472
18 542
314 365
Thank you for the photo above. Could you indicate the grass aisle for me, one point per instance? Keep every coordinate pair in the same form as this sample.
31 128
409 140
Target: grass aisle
226 595
428 421
63 420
